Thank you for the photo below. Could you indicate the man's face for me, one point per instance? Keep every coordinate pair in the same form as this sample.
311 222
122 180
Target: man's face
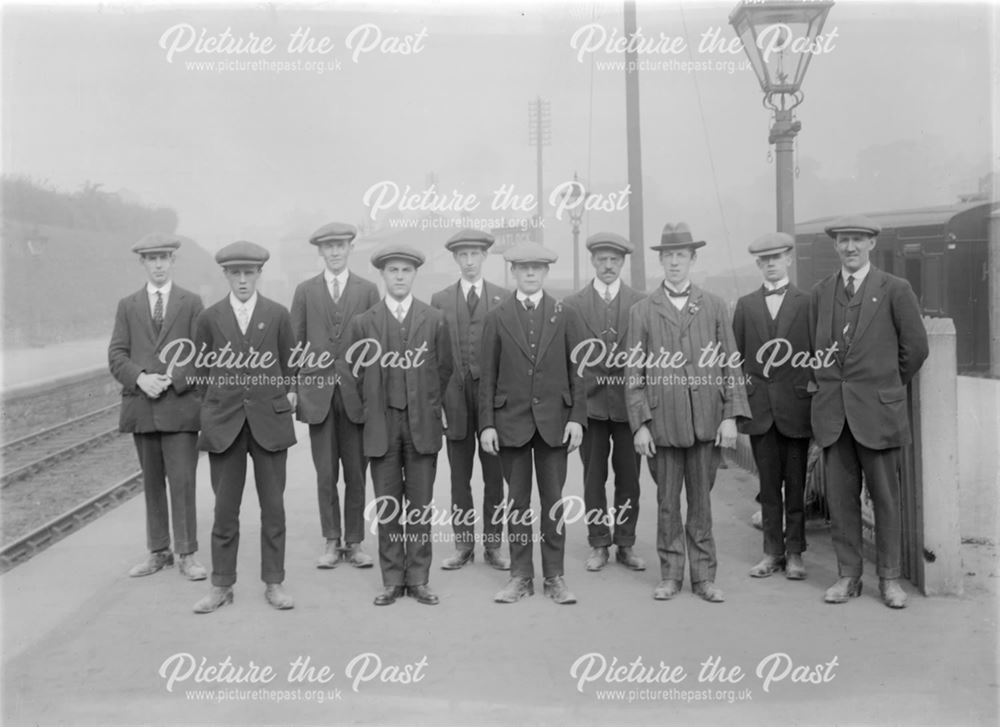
854 249
470 262
157 267
243 280
607 265
774 266
677 264
529 276
335 254
398 276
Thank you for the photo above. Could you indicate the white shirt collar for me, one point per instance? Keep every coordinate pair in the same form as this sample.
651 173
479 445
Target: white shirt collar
535 298
341 277
151 291
466 285
393 305
859 276
686 286
250 305
773 286
600 287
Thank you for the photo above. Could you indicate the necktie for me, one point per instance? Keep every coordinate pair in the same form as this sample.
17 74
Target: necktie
607 295
683 294
473 300
336 290
776 291
400 313
244 319
528 305
849 288
158 312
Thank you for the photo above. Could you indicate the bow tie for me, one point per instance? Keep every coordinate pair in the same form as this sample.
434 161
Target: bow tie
683 294
776 291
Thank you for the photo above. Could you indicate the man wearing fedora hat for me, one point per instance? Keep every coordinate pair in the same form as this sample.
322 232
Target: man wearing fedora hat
322 310
771 325
400 354
532 406
859 413
684 393
161 411
247 342
465 305
604 306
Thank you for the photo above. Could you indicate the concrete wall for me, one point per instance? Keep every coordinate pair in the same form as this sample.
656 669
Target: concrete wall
979 456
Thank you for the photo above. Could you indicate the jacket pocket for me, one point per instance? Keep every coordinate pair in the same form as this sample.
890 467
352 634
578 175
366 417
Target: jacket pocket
803 392
568 399
499 400
282 405
892 394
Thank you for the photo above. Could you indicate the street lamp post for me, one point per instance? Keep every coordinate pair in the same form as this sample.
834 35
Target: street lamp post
780 37
576 197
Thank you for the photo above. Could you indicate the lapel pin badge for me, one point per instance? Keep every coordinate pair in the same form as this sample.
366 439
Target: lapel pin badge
260 326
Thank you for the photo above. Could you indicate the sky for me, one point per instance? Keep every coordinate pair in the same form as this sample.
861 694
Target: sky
897 114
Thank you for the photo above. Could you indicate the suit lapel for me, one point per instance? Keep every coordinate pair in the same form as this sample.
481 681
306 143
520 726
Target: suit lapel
687 314
586 298
490 292
872 297
824 324
419 311
228 323
665 307
626 297
508 319
258 322
174 303
761 314
788 310
549 324
453 299
142 302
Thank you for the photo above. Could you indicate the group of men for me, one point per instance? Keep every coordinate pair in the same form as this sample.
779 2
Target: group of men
523 380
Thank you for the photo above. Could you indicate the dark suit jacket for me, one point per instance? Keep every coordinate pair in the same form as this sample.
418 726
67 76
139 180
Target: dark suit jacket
312 319
425 384
682 411
868 388
605 401
447 301
233 397
517 396
135 348
783 396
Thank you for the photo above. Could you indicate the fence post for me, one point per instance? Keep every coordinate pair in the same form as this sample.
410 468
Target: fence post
938 452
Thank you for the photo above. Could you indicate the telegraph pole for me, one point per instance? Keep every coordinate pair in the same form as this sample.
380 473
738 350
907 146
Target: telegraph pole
635 223
539 135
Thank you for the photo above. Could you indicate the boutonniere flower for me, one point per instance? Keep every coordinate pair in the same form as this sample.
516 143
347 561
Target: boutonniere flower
260 326
558 311
496 298
692 308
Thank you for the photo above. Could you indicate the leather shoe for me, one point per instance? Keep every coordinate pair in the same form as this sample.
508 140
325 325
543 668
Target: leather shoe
460 558
331 555
555 588
154 562
389 595
795 570
625 556
516 589
423 594
708 591
666 590
192 569
598 558
277 596
217 597
356 556
768 565
496 559
893 594
844 589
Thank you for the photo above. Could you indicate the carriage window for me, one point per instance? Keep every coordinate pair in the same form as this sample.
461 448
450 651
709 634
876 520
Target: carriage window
932 299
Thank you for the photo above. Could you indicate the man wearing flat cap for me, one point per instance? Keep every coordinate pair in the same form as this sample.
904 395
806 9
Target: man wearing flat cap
859 412
532 404
684 397
604 306
400 356
322 310
160 408
465 305
771 326
246 341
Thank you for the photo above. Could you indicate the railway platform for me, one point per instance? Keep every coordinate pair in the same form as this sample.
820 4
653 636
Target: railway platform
23 367
84 644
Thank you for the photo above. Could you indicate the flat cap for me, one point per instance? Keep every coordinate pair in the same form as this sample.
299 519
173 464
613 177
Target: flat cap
156 242
853 223
529 252
469 237
334 232
677 236
242 253
397 252
609 241
771 243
